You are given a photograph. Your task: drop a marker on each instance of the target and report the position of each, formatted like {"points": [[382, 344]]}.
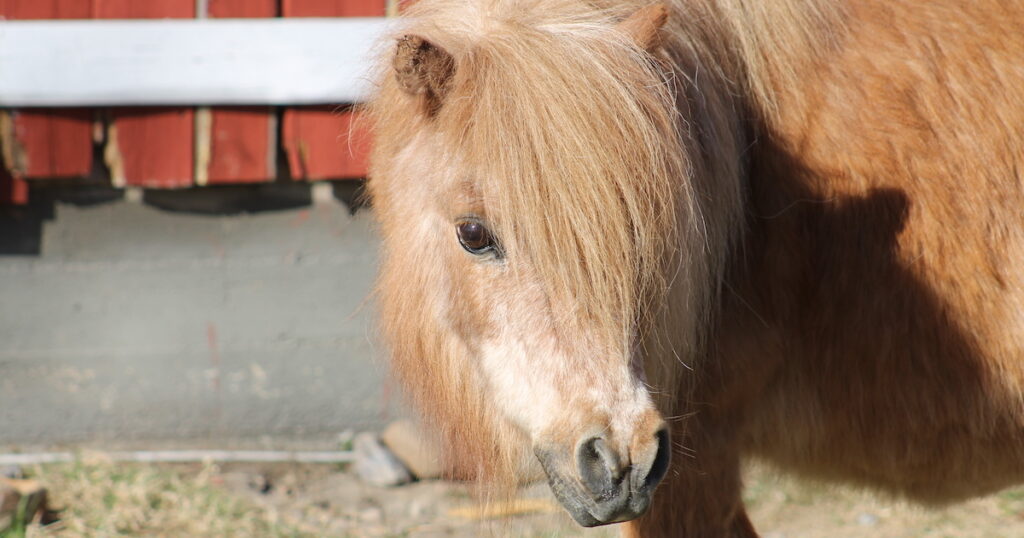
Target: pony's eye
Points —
{"points": [[474, 237]]}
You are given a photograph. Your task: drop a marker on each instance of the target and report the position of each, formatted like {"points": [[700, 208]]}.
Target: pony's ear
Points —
{"points": [[644, 26], [423, 69]]}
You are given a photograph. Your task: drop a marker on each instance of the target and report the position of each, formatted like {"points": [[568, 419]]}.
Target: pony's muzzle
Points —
{"points": [[603, 486]]}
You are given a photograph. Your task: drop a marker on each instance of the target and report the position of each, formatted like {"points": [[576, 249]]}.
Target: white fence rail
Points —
{"points": [[187, 62]]}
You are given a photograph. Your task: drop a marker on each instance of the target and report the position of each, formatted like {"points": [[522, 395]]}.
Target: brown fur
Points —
{"points": [[810, 214], [422, 68], [644, 26]]}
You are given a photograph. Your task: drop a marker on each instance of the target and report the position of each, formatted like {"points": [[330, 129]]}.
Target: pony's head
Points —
{"points": [[529, 176]]}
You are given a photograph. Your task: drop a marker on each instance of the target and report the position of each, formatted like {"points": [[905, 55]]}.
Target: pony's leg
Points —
{"points": [[700, 497]]}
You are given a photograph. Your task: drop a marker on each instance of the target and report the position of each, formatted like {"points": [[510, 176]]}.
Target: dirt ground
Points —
{"points": [[105, 499]]}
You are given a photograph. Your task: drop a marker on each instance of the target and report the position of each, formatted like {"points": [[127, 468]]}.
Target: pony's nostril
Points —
{"points": [[659, 467], [598, 466]]}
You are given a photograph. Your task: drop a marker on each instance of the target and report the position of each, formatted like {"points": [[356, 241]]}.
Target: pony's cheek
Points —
{"points": [[471, 301], [524, 393]]}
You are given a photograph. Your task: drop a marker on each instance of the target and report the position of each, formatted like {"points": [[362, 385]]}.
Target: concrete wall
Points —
{"points": [[134, 325]]}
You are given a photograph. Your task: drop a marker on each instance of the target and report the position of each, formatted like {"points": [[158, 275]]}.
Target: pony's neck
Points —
{"points": [[735, 60], [738, 59], [762, 47]]}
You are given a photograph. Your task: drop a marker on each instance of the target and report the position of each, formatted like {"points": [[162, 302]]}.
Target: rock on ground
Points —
{"points": [[413, 449], [375, 464]]}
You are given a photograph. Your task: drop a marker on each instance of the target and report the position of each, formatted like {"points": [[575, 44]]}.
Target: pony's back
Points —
{"points": [[888, 204]]}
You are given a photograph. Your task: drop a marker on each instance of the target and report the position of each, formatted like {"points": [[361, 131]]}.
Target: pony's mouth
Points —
{"points": [[602, 498]]}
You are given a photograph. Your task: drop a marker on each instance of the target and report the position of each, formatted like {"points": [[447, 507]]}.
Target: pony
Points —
{"points": [[633, 245]]}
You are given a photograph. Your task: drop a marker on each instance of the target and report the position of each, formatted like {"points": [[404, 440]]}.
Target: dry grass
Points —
{"points": [[785, 507], [105, 499]]}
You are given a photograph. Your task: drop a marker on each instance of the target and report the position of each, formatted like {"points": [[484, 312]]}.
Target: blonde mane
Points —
{"points": [[616, 171]]}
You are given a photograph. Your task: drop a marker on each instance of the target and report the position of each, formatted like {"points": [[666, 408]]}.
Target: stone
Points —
{"points": [[375, 464], [243, 482], [867, 520], [18, 494], [413, 449], [11, 471]]}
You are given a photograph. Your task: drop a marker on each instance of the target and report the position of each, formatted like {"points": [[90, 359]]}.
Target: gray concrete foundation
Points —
{"points": [[136, 326]]}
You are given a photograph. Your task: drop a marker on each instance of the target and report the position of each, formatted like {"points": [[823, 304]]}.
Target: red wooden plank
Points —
{"points": [[242, 8], [13, 191], [323, 143], [151, 147], [149, 9], [333, 8], [317, 139], [46, 9], [54, 142], [51, 143], [241, 148]]}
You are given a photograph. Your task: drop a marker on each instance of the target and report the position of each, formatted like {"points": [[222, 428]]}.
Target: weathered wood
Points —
{"points": [[148, 147], [185, 62], [50, 143], [320, 142], [240, 143], [325, 143], [21, 499], [333, 8], [13, 191]]}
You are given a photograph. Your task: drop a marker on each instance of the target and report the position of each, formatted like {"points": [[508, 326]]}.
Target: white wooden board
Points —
{"points": [[187, 62]]}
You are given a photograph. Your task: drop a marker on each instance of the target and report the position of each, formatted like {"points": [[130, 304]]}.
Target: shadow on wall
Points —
{"points": [[21, 226]]}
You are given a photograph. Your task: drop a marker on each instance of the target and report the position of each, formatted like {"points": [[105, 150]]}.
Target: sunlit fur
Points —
{"points": [[808, 215], [573, 143]]}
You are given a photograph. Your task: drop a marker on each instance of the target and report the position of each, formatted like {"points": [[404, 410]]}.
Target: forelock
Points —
{"points": [[570, 131]]}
